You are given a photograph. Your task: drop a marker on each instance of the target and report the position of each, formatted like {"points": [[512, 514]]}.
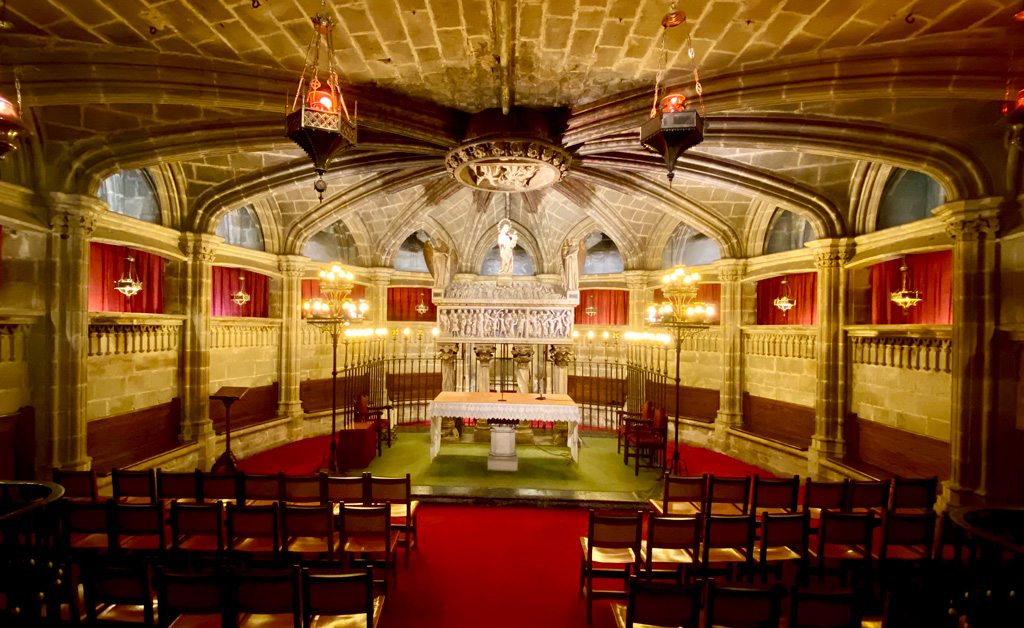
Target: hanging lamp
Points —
{"points": [[241, 297], [906, 297], [422, 308], [590, 310], [129, 284], [784, 302]]}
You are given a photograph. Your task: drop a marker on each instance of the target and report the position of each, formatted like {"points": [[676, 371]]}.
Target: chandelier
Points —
{"points": [[784, 302], [681, 309], [334, 304], [319, 121], [241, 297], [905, 297], [590, 310], [422, 308], [672, 128], [129, 284]]}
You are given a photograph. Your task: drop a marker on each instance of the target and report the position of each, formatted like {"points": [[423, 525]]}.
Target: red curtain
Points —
{"points": [[708, 293], [803, 288], [930, 273], [106, 265], [226, 282], [402, 304], [612, 307]]}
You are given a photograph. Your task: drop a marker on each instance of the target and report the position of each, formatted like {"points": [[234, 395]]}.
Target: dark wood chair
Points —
{"points": [[682, 495], [253, 530], [134, 487], [845, 540], [612, 541], [659, 604], [78, 485], [672, 545], [785, 538], [376, 414], [775, 495], [728, 542], [744, 606], [396, 493], [838, 608], [624, 420], [340, 599], [198, 528], [647, 441], [177, 486], [728, 495], [197, 599], [266, 599], [139, 529], [913, 494], [368, 540], [117, 593]]}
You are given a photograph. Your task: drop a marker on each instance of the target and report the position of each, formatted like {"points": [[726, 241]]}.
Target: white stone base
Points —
{"points": [[502, 456]]}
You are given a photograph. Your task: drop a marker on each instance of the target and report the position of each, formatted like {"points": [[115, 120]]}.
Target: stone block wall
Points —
{"points": [[700, 364], [123, 383], [244, 352], [23, 260], [780, 364]]}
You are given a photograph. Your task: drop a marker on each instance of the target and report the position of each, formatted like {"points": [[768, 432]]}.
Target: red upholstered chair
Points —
{"points": [[366, 412], [627, 419], [647, 441]]}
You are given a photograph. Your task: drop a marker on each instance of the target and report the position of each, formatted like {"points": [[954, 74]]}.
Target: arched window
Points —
{"points": [[908, 197], [333, 244], [242, 228], [602, 255], [131, 193], [410, 254], [689, 247], [522, 263], [788, 231]]}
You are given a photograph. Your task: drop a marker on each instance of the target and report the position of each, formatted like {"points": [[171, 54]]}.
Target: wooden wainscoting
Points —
{"points": [[404, 387], [602, 391], [18, 445], [788, 423], [315, 394], [124, 439], [884, 451], [697, 404], [258, 405]]}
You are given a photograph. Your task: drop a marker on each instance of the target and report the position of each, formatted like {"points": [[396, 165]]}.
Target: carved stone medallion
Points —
{"points": [[508, 165]]}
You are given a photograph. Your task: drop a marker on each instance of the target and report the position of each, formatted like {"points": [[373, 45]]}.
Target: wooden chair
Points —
{"points": [[253, 530], [906, 538], [198, 528], [744, 606], [824, 609], [172, 486], [86, 526], [78, 485], [191, 600], [340, 599], [819, 496], [625, 420], [261, 490], [913, 495], [368, 540], [118, 593], [728, 541], [304, 489], [613, 540], [308, 531], [266, 599], [346, 490], [868, 496], [845, 538], [397, 494], [647, 441], [728, 496], [219, 487], [785, 538], [139, 528], [682, 495], [366, 412], [134, 487], [657, 604], [775, 495], [673, 542]]}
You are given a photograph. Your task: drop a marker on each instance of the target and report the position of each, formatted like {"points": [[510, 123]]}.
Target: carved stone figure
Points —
{"points": [[441, 261], [507, 238], [571, 265]]}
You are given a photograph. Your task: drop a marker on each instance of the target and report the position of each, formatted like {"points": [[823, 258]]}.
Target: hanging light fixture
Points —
{"points": [[680, 309], [334, 304], [784, 302], [241, 297], [11, 124], [672, 128], [129, 284], [590, 310], [906, 297], [319, 121], [422, 308]]}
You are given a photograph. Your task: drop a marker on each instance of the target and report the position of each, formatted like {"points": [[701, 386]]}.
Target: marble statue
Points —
{"points": [[507, 238], [571, 264], [441, 261]]}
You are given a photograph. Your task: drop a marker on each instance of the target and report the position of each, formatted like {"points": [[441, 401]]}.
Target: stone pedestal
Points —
{"points": [[503, 448], [561, 356], [524, 433], [561, 435]]}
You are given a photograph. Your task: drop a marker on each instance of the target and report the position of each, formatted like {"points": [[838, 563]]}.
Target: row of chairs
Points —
{"points": [[123, 593], [654, 604], [704, 546], [755, 494]]}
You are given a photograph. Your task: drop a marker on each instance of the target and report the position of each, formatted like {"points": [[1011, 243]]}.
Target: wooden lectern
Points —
{"points": [[227, 395]]}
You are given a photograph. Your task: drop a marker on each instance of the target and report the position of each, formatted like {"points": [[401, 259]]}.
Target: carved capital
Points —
{"points": [[200, 247], [831, 259], [635, 279], [447, 352], [972, 228], [731, 269], [562, 355], [522, 354], [484, 353], [291, 266], [381, 276]]}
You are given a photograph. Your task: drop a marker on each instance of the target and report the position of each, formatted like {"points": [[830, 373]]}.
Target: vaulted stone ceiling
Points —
{"points": [[802, 96]]}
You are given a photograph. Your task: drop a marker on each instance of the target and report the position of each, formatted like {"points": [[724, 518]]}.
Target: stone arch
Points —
{"points": [[132, 193], [676, 232], [866, 192], [242, 227], [388, 249], [788, 230], [906, 196]]}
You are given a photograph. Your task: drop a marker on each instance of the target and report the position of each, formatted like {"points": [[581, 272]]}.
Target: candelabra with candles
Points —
{"points": [[686, 317], [331, 312]]}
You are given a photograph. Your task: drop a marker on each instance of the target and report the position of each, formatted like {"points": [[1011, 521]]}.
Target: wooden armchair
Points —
{"points": [[366, 412], [627, 420], [647, 441]]}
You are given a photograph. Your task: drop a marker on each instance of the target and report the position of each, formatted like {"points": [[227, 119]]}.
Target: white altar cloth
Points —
{"points": [[519, 406]]}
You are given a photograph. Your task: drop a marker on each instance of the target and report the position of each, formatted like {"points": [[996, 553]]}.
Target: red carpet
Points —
{"points": [[302, 457], [494, 567], [698, 461]]}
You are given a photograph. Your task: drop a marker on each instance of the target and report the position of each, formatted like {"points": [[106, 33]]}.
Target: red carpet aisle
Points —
{"points": [[303, 457], [494, 567]]}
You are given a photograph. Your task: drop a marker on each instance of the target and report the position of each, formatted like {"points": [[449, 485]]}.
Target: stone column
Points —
{"points": [[448, 353], [199, 249], [730, 405], [974, 434], [288, 402], [830, 392], [522, 356], [484, 355], [72, 218], [636, 283], [377, 295], [561, 356]]}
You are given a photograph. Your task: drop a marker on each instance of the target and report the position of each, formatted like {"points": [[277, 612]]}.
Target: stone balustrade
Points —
{"points": [[902, 346], [134, 334], [234, 333], [780, 341], [13, 332]]}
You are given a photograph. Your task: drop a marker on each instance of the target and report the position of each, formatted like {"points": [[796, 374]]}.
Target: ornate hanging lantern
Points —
{"points": [[590, 310], [129, 284], [906, 297], [319, 121], [241, 297], [681, 309], [784, 302], [334, 304], [672, 128], [422, 308]]}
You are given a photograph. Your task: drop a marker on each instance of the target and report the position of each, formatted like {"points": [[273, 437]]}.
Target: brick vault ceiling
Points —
{"points": [[114, 84]]}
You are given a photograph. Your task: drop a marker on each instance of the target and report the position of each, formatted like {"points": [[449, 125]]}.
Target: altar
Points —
{"points": [[503, 411]]}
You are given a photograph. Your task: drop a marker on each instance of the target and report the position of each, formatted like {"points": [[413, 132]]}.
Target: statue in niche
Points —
{"points": [[573, 255], [441, 260], [507, 238]]}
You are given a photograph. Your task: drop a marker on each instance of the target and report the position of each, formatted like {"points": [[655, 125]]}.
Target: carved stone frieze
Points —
{"points": [[508, 164], [493, 291], [512, 323], [831, 259]]}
